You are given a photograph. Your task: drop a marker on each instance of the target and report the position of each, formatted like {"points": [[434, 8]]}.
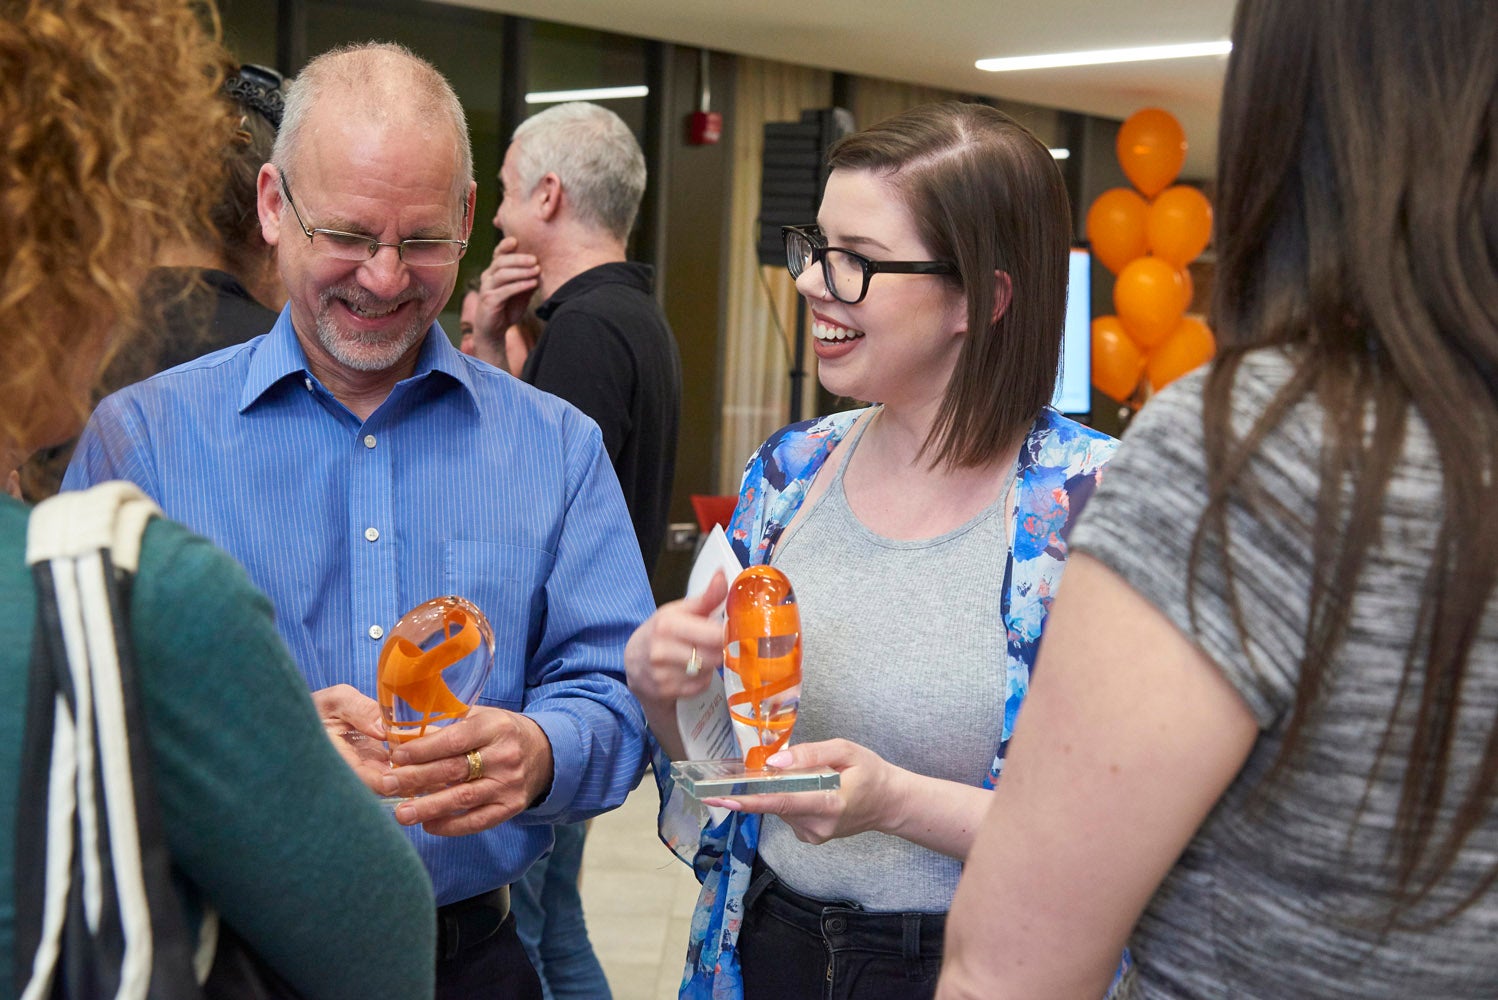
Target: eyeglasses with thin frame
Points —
{"points": [[352, 246], [846, 272]]}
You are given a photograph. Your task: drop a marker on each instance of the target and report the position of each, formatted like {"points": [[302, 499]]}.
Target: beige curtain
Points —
{"points": [[761, 301], [876, 100]]}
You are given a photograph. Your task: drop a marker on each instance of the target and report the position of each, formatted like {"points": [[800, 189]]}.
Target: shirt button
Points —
{"points": [[308, 383], [375, 631], [372, 534], [369, 440]]}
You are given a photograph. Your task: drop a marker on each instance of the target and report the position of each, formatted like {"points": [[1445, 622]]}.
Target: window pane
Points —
{"points": [[564, 57], [250, 30]]}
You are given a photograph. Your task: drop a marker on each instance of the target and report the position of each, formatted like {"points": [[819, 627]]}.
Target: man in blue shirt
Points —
{"points": [[357, 464]]}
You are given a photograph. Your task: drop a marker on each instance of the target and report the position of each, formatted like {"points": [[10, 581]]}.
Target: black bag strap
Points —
{"points": [[97, 914]]}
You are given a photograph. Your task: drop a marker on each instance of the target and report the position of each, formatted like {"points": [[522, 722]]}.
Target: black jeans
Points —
{"points": [[796, 946]]}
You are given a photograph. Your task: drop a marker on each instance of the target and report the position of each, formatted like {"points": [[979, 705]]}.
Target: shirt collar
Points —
{"points": [[279, 356], [623, 272]]}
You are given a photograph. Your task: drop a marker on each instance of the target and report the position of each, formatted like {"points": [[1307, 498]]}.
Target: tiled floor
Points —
{"points": [[638, 900]]}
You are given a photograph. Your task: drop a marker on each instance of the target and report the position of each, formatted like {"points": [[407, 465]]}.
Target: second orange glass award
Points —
{"points": [[762, 687]]}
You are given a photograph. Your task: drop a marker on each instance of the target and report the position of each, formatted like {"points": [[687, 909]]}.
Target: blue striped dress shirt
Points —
{"points": [[464, 481]]}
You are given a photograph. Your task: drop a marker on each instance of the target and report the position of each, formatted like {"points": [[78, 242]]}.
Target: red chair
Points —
{"points": [[711, 510]]}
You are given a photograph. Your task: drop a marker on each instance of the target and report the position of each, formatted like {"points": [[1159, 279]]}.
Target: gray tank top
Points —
{"points": [[903, 652]]}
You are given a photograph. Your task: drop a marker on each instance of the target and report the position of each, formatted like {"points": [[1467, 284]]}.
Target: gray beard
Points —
{"points": [[363, 354]]}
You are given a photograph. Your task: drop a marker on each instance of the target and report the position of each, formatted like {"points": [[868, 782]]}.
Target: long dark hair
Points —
{"points": [[1358, 202], [985, 193]]}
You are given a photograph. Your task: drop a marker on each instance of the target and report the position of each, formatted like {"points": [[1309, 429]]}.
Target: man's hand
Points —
{"points": [[354, 726], [505, 290], [517, 769]]}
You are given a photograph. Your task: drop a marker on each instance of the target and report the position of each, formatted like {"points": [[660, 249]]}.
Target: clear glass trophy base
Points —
{"points": [[706, 779]]}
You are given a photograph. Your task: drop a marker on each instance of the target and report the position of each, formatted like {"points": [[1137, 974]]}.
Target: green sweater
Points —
{"points": [[264, 820]]}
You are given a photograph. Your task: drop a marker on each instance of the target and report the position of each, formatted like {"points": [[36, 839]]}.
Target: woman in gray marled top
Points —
{"points": [[1261, 745]]}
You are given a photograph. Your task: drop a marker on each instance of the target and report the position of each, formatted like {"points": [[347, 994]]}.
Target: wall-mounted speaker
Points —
{"points": [[795, 172]]}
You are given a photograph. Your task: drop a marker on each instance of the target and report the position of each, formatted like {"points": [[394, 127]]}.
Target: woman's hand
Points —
{"points": [[937, 814], [869, 796], [670, 657], [657, 656]]}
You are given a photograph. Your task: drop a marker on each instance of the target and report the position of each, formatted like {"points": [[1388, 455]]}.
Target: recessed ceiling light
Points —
{"points": [[595, 94], [1060, 153], [1099, 57]]}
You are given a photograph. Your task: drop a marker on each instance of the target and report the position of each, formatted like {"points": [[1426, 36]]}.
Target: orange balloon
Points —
{"points": [[1179, 224], [1151, 150], [1116, 361], [1149, 296], [1189, 347], [1115, 227]]}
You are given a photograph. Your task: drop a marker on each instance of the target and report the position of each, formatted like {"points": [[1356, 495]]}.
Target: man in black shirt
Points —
{"points": [[573, 178]]}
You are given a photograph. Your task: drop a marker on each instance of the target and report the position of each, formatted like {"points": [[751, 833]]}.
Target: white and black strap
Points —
{"points": [[96, 910]]}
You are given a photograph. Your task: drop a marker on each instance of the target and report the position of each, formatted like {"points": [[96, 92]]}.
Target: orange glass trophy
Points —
{"points": [[762, 687], [762, 661], [433, 667]]}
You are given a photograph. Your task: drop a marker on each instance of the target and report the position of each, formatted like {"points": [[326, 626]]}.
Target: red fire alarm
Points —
{"points": [[704, 128]]}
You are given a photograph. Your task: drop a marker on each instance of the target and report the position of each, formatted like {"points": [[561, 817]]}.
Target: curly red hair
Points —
{"points": [[110, 139]]}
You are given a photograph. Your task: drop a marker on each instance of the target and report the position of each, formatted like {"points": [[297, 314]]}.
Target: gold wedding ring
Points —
{"points": [[694, 663], [475, 765]]}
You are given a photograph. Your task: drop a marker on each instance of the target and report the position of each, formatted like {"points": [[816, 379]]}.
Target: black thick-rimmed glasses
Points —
{"points": [[846, 272], [352, 246]]}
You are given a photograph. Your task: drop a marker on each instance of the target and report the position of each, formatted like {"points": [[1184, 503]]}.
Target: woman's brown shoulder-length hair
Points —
{"points": [[986, 194]]}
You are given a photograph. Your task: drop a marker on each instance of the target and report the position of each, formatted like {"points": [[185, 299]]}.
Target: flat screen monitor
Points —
{"points": [[1074, 387]]}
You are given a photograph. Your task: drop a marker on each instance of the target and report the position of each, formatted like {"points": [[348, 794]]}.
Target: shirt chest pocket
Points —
{"points": [[507, 583]]}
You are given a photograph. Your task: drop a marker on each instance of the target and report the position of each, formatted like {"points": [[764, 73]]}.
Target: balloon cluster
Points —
{"points": [[1147, 238]]}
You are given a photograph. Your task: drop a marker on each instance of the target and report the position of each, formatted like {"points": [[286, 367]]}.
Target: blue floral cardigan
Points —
{"points": [[1059, 468]]}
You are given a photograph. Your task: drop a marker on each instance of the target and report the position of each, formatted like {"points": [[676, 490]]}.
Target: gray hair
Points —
{"points": [[594, 154], [380, 81]]}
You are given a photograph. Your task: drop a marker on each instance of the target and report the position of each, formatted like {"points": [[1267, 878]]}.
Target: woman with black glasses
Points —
{"points": [[924, 536]]}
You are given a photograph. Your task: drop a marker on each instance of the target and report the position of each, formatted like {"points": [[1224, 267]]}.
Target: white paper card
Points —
{"points": [[706, 729]]}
